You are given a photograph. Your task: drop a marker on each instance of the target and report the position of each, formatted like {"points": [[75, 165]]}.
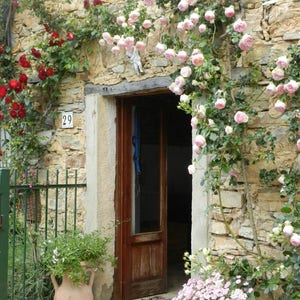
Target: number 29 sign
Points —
{"points": [[67, 119]]}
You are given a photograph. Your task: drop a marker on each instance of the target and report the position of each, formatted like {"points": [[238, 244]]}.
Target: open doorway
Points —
{"points": [[153, 194], [179, 193]]}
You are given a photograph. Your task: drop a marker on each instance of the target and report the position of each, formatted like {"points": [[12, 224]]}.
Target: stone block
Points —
{"points": [[218, 228], [230, 199]]}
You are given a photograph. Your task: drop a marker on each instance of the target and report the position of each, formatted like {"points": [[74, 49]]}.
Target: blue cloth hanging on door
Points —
{"points": [[136, 143]]}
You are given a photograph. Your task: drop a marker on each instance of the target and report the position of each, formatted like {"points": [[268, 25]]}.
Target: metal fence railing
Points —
{"points": [[42, 204]]}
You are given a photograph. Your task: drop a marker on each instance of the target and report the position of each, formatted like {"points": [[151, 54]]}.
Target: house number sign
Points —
{"points": [[67, 119]]}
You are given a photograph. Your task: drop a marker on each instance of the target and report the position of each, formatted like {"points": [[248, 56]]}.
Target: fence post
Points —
{"points": [[4, 209]]}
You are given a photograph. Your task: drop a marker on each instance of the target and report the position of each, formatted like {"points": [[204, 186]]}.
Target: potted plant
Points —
{"points": [[73, 257]]}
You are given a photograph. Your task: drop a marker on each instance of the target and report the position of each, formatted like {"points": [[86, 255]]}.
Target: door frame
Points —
{"points": [[123, 217]]}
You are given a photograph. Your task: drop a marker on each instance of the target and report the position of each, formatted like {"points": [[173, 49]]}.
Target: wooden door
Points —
{"points": [[141, 198]]}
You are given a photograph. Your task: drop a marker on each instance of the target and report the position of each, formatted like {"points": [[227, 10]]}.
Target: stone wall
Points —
{"points": [[275, 24]]}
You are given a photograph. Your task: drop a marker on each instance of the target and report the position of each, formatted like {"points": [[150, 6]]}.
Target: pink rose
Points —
{"points": [[271, 89], [191, 169], [180, 27], [115, 49], [291, 87], [140, 46], [239, 25], [129, 42], [280, 89], [116, 38], [241, 117], [180, 81], [228, 129], [147, 24], [194, 122], [246, 42], [200, 140], [298, 145], [177, 90], [130, 22], [134, 15], [234, 173], [170, 54], [148, 2], [107, 37], [188, 24], [288, 230], [295, 239], [160, 48], [196, 149], [280, 106], [229, 11], [186, 71], [209, 16], [192, 2], [277, 74], [184, 98], [220, 103], [197, 59], [120, 20], [282, 62], [194, 17], [163, 20], [182, 56], [121, 43], [202, 28], [183, 5]]}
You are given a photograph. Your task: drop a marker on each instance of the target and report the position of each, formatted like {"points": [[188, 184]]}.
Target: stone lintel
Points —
{"points": [[123, 88]]}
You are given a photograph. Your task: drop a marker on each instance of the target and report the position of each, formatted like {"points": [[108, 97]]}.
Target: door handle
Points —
{"points": [[1, 222]]}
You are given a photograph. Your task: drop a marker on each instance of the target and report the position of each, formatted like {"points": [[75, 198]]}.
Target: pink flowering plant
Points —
{"points": [[209, 282]]}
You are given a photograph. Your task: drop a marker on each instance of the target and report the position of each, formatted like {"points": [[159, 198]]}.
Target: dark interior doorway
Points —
{"points": [[179, 192]]}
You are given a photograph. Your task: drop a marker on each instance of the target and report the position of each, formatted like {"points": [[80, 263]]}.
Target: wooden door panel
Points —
{"points": [[146, 261]]}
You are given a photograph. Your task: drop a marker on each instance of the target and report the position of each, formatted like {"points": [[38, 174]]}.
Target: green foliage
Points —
{"points": [[71, 252]]}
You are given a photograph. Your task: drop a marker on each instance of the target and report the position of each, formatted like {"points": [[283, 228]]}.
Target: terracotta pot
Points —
{"points": [[67, 290]]}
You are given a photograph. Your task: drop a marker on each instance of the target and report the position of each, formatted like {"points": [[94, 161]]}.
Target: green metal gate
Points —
{"points": [[42, 204]]}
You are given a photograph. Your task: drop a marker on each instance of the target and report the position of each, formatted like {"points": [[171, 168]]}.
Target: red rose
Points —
{"points": [[86, 3], [60, 42], [1, 49], [22, 113], [13, 114], [3, 91], [15, 106], [23, 78], [36, 53], [97, 2], [15, 3], [55, 35], [70, 36], [23, 62], [42, 73], [52, 43], [7, 100], [49, 72], [1, 116], [14, 84]]}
